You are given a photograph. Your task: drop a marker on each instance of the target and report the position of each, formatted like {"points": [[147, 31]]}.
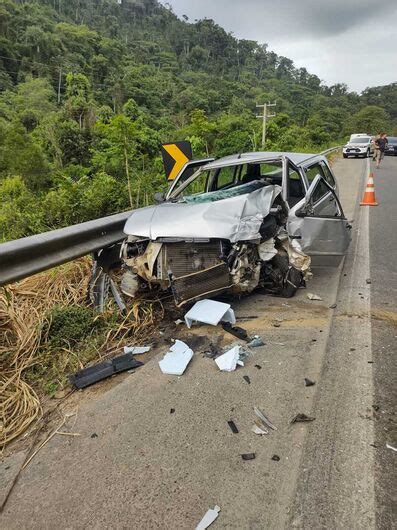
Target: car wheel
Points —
{"points": [[368, 153], [344, 156], [292, 278]]}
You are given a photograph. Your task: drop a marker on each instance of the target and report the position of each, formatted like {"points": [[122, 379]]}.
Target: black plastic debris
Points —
{"points": [[236, 331], [247, 379], [248, 456], [276, 458], [258, 366], [301, 418], [352, 349], [308, 382], [232, 426], [332, 306], [368, 280], [93, 374], [94, 435], [172, 411]]}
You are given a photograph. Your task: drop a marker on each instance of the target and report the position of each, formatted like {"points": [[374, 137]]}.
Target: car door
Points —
{"points": [[319, 224], [187, 171]]}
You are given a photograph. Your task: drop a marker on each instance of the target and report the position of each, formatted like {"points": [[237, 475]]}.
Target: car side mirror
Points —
{"points": [[159, 197]]}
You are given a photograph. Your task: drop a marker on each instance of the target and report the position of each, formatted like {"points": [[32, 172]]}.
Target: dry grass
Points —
{"points": [[25, 318]]}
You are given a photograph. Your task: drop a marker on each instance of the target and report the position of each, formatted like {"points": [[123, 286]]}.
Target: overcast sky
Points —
{"points": [[341, 41]]}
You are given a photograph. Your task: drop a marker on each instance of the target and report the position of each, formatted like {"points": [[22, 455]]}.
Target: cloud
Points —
{"points": [[348, 41]]}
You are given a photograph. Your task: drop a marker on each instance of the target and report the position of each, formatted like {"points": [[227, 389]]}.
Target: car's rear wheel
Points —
{"points": [[344, 155]]}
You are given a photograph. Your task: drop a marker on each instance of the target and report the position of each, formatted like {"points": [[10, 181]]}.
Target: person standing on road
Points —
{"points": [[382, 144]]}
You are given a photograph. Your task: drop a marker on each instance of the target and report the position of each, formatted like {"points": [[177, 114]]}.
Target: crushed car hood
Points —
{"points": [[235, 218]]}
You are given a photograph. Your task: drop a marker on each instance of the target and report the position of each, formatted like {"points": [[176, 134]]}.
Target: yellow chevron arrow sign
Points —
{"points": [[175, 156]]}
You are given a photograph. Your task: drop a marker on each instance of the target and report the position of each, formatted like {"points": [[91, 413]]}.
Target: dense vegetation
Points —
{"points": [[90, 88]]}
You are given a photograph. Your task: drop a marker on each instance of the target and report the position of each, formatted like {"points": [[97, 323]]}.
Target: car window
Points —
{"points": [[225, 177], [328, 174], [319, 192], [320, 169], [198, 185], [312, 171], [271, 171], [296, 189]]}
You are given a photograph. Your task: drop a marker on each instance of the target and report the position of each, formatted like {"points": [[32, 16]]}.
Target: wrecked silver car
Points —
{"points": [[235, 224]]}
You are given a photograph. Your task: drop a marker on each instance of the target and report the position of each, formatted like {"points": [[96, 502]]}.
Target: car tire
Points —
{"points": [[344, 156], [368, 154], [293, 277]]}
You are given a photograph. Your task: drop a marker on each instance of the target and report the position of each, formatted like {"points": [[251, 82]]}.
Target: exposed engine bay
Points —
{"points": [[193, 268]]}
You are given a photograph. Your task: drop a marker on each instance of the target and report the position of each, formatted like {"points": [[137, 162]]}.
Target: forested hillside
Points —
{"points": [[90, 88]]}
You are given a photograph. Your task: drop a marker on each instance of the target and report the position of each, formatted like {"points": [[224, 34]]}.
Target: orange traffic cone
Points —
{"points": [[369, 194]]}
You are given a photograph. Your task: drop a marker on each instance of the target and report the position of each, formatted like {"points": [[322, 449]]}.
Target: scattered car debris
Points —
{"points": [[136, 350], [247, 379], [176, 359], [276, 458], [368, 280], [312, 296], [259, 429], [208, 518], [172, 411], [391, 447], [229, 360], [309, 382], [352, 349], [248, 456], [333, 306], [276, 324], [93, 374], [210, 312], [264, 419], [236, 331], [256, 342], [178, 322], [258, 366], [214, 351], [232, 426], [301, 418], [94, 435]]}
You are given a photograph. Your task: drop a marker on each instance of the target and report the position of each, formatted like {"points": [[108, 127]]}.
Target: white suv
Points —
{"points": [[358, 146]]}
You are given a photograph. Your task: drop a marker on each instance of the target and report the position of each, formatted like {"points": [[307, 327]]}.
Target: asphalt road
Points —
{"points": [[136, 464], [383, 267]]}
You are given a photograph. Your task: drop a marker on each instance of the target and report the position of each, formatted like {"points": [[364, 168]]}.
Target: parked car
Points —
{"points": [[391, 148], [235, 224], [359, 146]]}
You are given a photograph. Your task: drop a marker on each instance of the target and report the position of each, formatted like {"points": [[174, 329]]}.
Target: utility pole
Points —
{"points": [[264, 116], [59, 85]]}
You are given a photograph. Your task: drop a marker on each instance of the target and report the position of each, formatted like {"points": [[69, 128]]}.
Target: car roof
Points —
{"points": [[259, 156]]}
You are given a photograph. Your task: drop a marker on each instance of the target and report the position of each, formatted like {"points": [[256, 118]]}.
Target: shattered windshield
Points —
{"points": [[229, 181]]}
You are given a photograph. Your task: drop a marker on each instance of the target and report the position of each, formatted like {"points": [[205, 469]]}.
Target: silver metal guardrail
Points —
{"points": [[27, 256]]}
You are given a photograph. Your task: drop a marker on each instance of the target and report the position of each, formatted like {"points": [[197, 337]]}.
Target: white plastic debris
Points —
{"points": [[210, 312], [176, 359], [177, 322], [136, 350], [259, 430], [312, 296], [208, 518], [229, 360], [391, 447], [264, 419]]}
